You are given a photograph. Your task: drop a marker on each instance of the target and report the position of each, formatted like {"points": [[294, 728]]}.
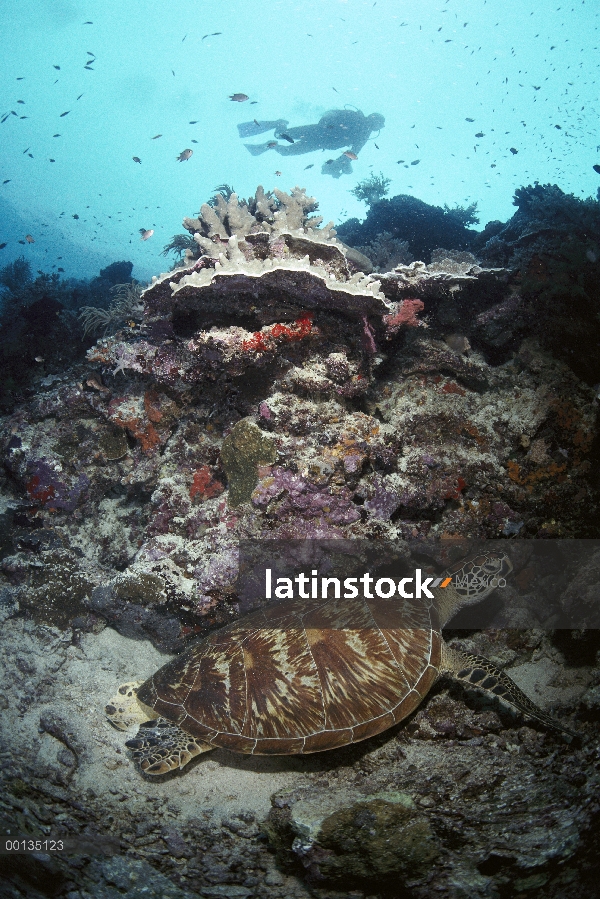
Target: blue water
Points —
{"points": [[525, 72]]}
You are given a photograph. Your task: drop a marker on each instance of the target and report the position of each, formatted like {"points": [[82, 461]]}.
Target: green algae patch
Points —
{"points": [[113, 443], [244, 448], [142, 589], [376, 839]]}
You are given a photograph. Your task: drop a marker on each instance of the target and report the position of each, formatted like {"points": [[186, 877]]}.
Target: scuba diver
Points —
{"points": [[335, 129]]}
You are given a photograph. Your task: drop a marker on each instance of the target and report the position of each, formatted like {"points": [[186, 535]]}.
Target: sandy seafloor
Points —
{"points": [[66, 771]]}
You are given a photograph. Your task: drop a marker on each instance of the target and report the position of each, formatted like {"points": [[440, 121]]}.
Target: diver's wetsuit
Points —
{"points": [[335, 129]]}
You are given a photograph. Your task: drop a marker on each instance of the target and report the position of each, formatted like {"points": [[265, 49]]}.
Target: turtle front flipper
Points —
{"points": [[160, 746], [480, 672]]}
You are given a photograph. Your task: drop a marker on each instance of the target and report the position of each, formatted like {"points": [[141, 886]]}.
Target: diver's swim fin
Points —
{"points": [[251, 129], [257, 149]]}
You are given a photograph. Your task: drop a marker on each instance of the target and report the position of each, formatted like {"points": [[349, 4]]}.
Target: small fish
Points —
{"points": [[146, 233], [25, 151], [271, 144], [63, 114], [38, 358], [29, 238], [183, 38], [59, 269], [480, 134], [415, 161], [89, 68], [256, 123], [376, 146], [56, 135], [513, 151], [278, 173], [596, 168], [239, 98], [52, 160], [558, 127], [286, 137], [469, 120], [156, 136], [195, 122], [137, 159], [2, 245], [215, 33], [328, 161], [308, 166], [56, 67], [6, 180], [88, 23], [184, 155], [80, 96], [350, 154], [76, 216], [22, 102]]}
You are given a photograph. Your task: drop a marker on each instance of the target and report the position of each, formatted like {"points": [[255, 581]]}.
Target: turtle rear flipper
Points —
{"points": [[477, 671], [160, 746]]}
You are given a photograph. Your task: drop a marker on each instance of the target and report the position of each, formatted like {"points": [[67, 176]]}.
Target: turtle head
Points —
{"points": [[472, 580]]}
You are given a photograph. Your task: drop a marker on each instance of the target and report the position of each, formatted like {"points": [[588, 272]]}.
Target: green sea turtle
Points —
{"points": [[307, 675]]}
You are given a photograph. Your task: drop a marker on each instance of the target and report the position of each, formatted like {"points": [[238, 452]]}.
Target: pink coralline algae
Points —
{"points": [[405, 316], [269, 338], [284, 494], [382, 502], [204, 486]]}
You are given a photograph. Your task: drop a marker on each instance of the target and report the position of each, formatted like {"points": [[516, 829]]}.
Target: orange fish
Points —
{"points": [[146, 233], [350, 154], [184, 155], [29, 238]]}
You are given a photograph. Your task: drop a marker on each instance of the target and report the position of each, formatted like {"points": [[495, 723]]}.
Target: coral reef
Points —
{"points": [[423, 227], [553, 242], [271, 389]]}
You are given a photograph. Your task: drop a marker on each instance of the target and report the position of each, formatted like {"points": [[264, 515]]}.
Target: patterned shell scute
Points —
{"points": [[302, 676]]}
